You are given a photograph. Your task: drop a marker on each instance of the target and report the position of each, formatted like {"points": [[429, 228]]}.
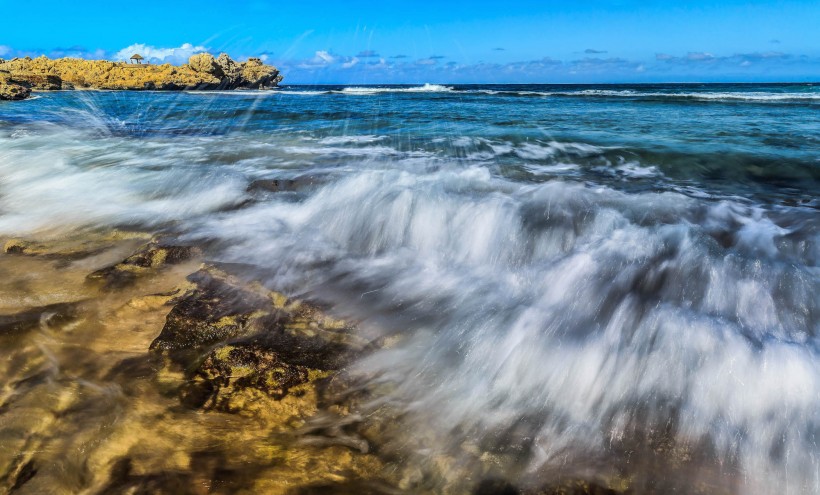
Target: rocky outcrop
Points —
{"points": [[202, 71], [220, 308], [252, 74], [243, 344], [11, 89]]}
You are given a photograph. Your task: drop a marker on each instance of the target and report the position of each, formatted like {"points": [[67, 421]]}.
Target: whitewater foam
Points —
{"points": [[426, 88], [557, 327]]}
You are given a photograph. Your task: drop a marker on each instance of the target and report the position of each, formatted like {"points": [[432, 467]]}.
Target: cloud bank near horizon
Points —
{"points": [[368, 66]]}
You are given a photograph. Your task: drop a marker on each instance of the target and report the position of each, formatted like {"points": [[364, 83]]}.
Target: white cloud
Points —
{"points": [[177, 55], [350, 63], [4, 50], [324, 57]]}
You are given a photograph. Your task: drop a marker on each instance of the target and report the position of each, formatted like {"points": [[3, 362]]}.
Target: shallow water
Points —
{"points": [[597, 282]]}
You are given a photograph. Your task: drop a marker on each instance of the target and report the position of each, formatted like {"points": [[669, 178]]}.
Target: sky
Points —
{"points": [[421, 41]]}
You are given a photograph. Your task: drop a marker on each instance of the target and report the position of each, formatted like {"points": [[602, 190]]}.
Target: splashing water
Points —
{"points": [[597, 286]]}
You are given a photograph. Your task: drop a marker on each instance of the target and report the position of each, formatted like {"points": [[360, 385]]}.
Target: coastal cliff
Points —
{"points": [[202, 72]]}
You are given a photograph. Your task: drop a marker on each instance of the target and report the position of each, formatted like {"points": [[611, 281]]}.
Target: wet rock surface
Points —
{"points": [[147, 260], [232, 371], [52, 315], [220, 307], [245, 390], [216, 309], [230, 420]]}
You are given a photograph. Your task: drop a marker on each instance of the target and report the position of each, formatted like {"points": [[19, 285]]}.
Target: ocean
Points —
{"points": [[615, 281]]}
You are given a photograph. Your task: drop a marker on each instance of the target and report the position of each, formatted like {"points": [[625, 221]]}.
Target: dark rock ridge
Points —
{"points": [[254, 341]]}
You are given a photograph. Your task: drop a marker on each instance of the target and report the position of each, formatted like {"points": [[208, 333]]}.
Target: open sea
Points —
{"points": [[589, 280]]}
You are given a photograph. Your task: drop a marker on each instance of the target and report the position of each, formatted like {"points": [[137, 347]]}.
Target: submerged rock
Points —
{"points": [[50, 315], [285, 185], [221, 307], [148, 259], [215, 310], [81, 245], [232, 374], [246, 348]]}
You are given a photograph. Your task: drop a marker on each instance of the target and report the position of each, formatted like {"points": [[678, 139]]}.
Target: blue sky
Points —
{"points": [[356, 42]]}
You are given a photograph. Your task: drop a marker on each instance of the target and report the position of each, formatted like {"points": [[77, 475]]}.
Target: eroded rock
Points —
{"points": [[221, 307], [11, 90], [202, 72], [148, 259], [247, 348], [206, 64], [230, 373], [40, 82], [215, 310]]}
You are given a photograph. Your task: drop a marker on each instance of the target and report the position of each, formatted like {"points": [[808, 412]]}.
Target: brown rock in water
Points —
{"points": [[221, 308], [146, 260], [256, 74], [11, 90], [258, 346], [215, 310], [202, 72], [229, 371], [281, 185]]}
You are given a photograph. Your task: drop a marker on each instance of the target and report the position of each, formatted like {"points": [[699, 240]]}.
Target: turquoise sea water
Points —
{"points": [[573, 267]]}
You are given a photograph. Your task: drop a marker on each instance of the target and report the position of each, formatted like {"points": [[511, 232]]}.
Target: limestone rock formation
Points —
{"points": [[10, 89], [252, 74], [202, 71], [205, 63]]}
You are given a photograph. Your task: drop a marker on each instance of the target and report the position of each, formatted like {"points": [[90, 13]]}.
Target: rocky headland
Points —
{"points": [[20, 76]]}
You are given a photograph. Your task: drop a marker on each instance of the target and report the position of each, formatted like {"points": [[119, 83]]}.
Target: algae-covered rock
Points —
{"points": [[215, 310], [148, 259], [251, 350], [221, 307], [231, 370]]}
